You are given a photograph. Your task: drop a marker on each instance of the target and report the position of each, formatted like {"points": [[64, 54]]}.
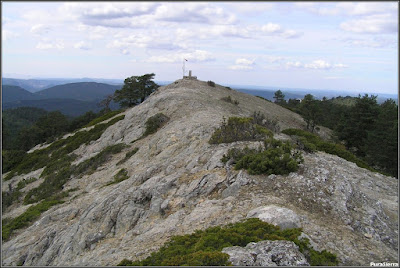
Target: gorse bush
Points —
{"points": [[154, 123], [204, 247], [311, 142], [239, 129]]}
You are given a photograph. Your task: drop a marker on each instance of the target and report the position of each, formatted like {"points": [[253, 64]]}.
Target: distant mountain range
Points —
{"points": [[71, 99], [34, 85]]}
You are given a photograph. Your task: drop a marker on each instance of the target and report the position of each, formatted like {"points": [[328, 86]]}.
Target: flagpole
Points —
{"points": [[183, 67]]}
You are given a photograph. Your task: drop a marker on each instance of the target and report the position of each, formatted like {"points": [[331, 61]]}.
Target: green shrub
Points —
{"points": [[9, 197], [211, 83], [128, 155], [154, 123], [10, 159], [277, 158], [26, 218], [120, 176], [58, 149], [312, 142], [239, 129], [203, 247], [21, 184], [90, 165]]}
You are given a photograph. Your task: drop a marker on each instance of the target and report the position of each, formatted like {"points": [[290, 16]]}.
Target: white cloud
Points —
{"points": [[376, 42], [240, 67], [373, 24], [40, 29], [271, 28], [277, 30], [349, 8], [367, 8], [192, 12], [318, 64], [59, 44], [242, 64], [292, 64], [83, 45], [315, 65], [108, 10], [7, 35], [194, 56], [150, 41], [243, 61], [251, 8]]}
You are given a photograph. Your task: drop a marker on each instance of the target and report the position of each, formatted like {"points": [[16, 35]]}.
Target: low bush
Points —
{"points": [[230, 100], [239, 129], [211, 83], [203, 247], [154, 123], [312, 142], [276, 158]]}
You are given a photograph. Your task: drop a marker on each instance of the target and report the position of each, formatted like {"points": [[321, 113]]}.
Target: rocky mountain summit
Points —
{"points": [[177, 183]]}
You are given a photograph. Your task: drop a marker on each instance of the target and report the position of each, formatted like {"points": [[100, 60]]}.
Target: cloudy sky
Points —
{"points": [[312, 45]]}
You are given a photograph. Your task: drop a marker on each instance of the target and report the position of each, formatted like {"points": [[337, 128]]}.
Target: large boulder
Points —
{"points": [[283, 217], [267, 253]]}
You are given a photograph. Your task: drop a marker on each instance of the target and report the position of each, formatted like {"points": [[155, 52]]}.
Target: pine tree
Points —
{"points": [[135, 90]]}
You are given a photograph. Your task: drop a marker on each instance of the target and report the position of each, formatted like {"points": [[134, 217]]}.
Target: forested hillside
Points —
{"points": [[84, 91], [16, 93], [366, 128]]}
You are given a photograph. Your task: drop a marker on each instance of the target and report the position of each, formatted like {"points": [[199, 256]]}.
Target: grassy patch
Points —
{"points": [[103, 118], [239, 129], [120, 176], [203, 247], [90, 165], [154, 123], [312, 142], [50, 156], [128, 155], [28, 217]]}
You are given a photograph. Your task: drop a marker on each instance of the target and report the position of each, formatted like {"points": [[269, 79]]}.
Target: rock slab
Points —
{"points": [[266, 253]]}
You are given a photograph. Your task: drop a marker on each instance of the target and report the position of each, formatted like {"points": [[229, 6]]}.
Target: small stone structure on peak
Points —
{"points": [[190, 76]]}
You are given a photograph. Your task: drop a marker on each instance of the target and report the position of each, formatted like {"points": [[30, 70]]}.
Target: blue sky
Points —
{"points": [[314, 45]]}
